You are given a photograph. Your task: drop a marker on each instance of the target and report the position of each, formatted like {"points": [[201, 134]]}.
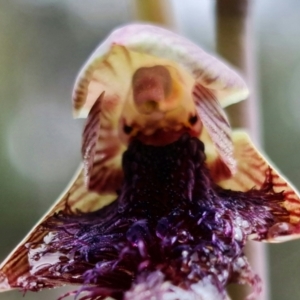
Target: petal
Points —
{"points": [[110, 72], [114, 58], [219, 131], [207, 70], [15, 270], [252, 168], [101, 149]]}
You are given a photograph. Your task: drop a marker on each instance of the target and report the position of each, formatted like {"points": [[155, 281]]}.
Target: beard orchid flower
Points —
{"points": [[167, 194]]}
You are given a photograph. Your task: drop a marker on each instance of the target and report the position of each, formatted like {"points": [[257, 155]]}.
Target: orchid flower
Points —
{"points": [[167, 194]]}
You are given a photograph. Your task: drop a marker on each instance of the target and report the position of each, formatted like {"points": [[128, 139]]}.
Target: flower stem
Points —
{"points": [[234, 42], [154, 11]]}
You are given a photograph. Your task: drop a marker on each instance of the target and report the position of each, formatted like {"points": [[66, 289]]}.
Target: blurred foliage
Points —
{"points": [[42, 46]]}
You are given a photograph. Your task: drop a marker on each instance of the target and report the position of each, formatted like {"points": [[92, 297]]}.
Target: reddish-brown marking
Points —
{"points": [[109, 66], [126, 54]]}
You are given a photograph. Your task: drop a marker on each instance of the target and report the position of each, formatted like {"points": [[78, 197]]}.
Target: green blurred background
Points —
{"points": [[43, 43]]}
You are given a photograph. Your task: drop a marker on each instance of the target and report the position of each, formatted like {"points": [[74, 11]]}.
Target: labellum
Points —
{"points": [[167, 194]]}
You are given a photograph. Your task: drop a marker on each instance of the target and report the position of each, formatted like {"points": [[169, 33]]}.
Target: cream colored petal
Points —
{"points": [[110, 64], [15, 270], [111, 73], [252, 168]]}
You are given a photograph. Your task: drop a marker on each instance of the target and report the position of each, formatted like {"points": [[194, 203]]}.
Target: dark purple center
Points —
{"points": [[169, 217]]}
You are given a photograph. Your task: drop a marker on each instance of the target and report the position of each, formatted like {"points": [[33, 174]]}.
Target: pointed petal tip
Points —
{"points": [[79, 113], [230, 99], [4, 285], [283, 232]]}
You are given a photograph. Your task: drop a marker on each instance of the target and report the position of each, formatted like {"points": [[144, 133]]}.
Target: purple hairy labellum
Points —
{"points": [[167, 195]]}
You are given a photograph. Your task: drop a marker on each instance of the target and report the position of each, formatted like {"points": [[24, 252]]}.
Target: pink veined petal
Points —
{"points": [[217, 127], [90, 137], [101, 151]]}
